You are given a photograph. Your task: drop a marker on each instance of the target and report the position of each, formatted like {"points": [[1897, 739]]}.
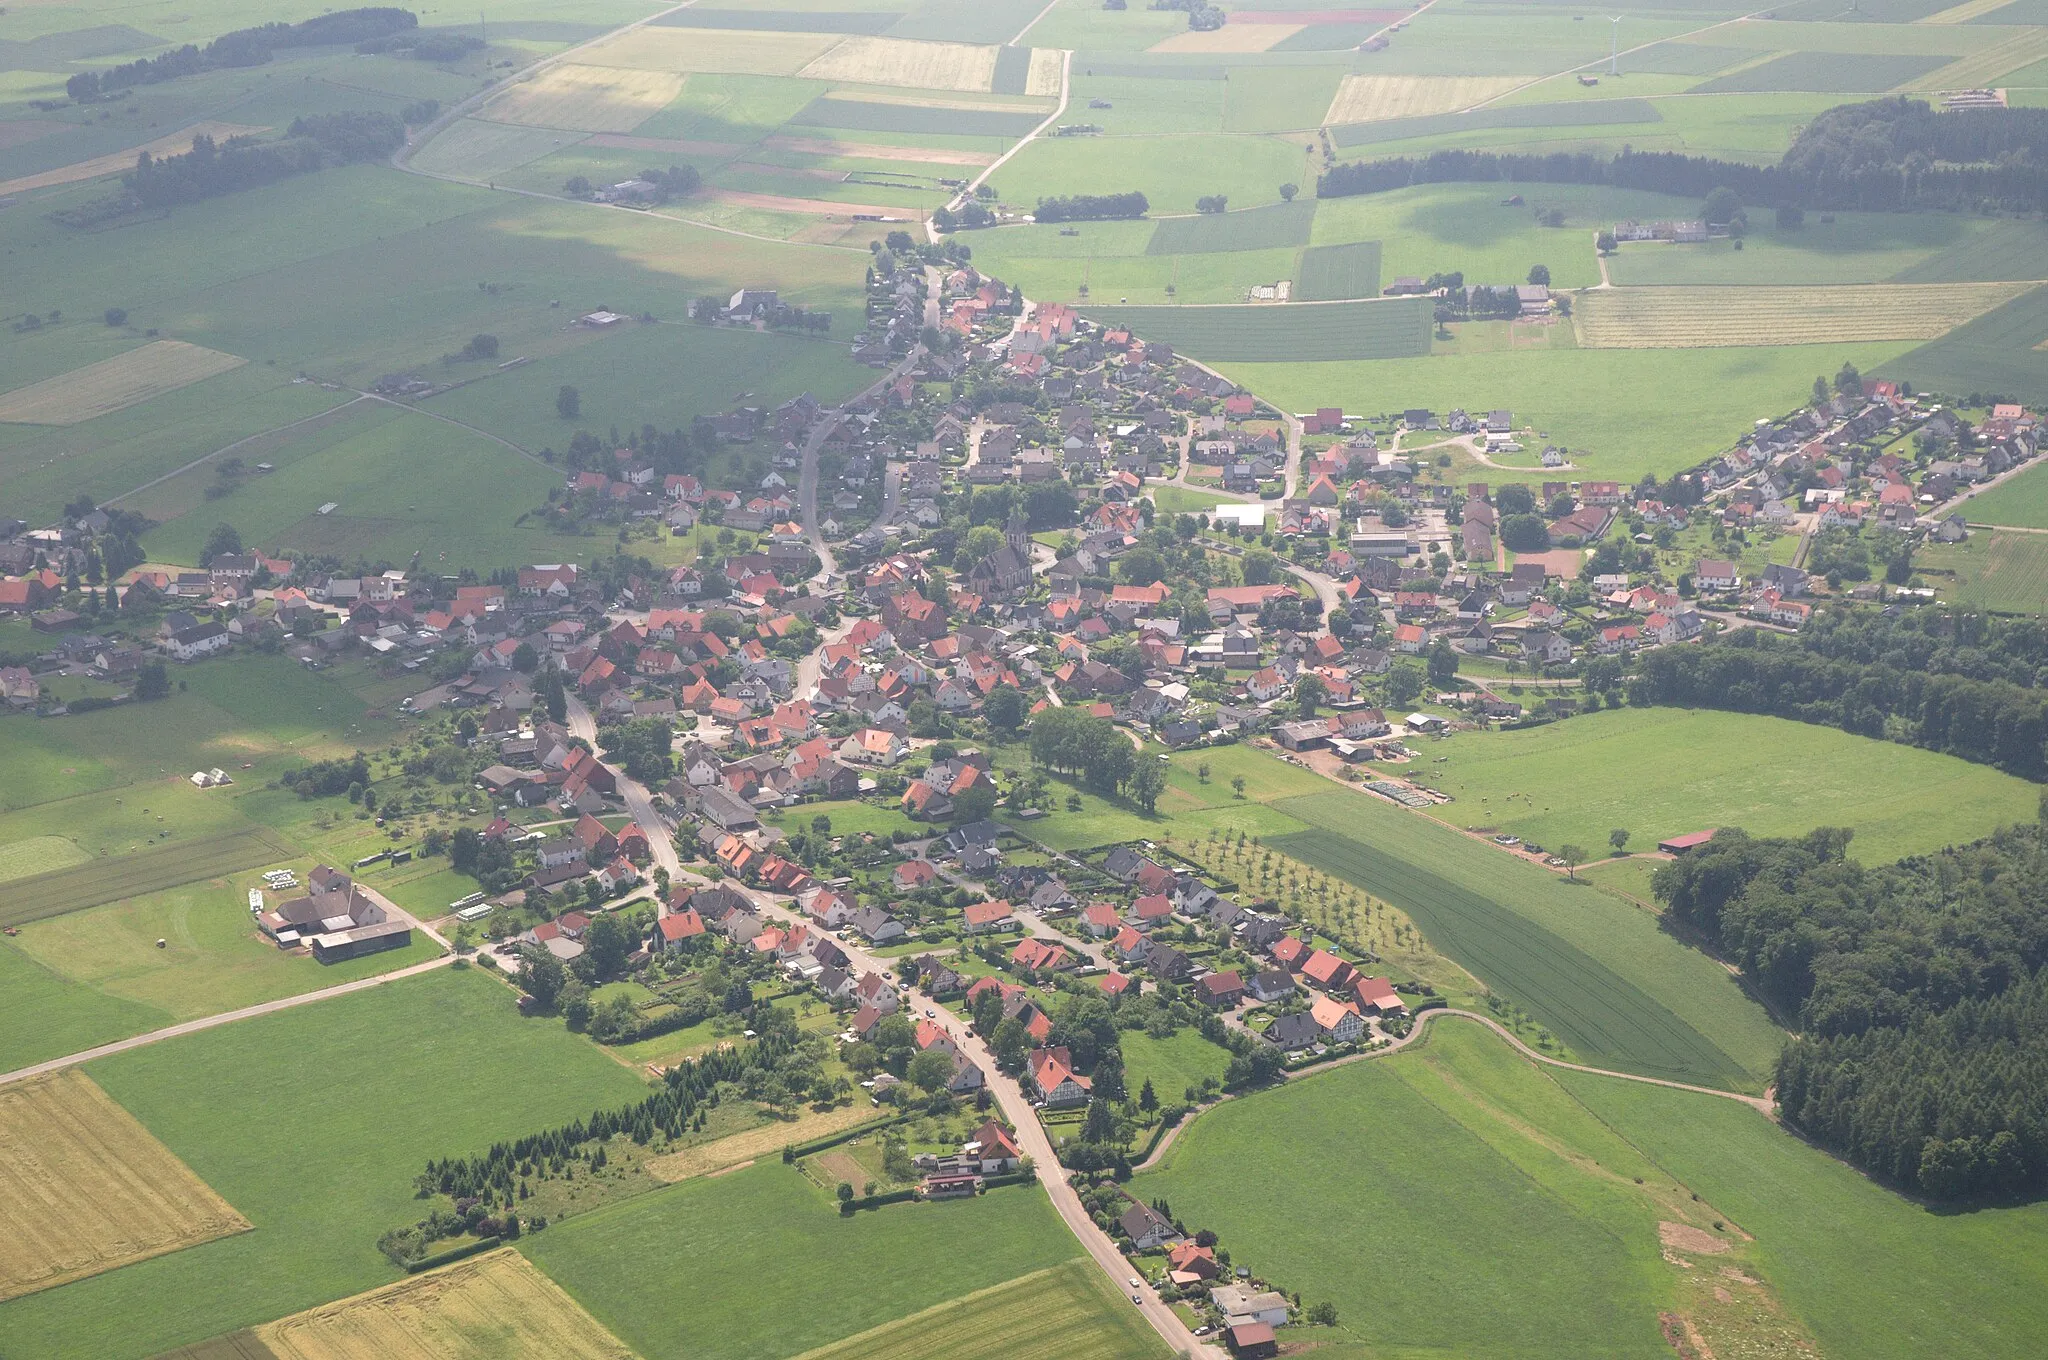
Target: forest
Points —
{"points": [[243, 47], [1958, 692], [1916, 991], [1886, 155], [1092, 207]]}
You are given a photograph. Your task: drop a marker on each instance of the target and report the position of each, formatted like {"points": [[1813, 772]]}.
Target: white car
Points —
{"points": [[1136, 1283]]}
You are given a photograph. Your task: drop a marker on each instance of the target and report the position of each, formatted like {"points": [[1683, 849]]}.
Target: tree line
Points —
{"points": [[1093, 749], [243, 47], [1880, 156], [1092, 207], [1991, 721], [1917, 991]]}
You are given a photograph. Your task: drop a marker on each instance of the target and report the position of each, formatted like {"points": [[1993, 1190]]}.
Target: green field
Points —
{"points": [[44, 1015], [1171, 1065], [1267, 228], [1334, 273], [742, 1230], [1586, 113], [1171, 170], [1189, 808], [1662, 772], [312, 1123], [64, 890], [1598, 973], [2022, 501], [1825, 73], [1995, 354], [2005, 572], [1325, 332]]}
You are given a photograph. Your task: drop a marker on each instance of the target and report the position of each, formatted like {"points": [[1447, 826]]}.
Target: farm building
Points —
{"points": [[1691, 840], [337, 918]]}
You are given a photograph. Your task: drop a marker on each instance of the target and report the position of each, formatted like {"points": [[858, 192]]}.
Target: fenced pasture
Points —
{"points": [[490, 1307], [1067, 1312], [1705, 318], [1269, 228], [580, 98], [721, 51], [1367, 99], [1825, 73], [1391, 329], [147, 871], [89, 1189], [966, 67], [1336, 273], [113, 384], [2003, 572]]}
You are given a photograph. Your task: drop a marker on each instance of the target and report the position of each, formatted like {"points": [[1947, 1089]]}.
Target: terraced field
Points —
{"points": [[1709, 318]]}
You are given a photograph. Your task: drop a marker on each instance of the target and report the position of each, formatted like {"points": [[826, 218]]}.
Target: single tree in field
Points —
{"points": [[1618, 838], [1148, 781], [1573, 856], [1237, 785], [568, 403], [1288, 191], [1540, 274]]}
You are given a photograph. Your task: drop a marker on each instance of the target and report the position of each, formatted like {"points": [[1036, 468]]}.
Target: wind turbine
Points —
{"points": [[1614, 45]]}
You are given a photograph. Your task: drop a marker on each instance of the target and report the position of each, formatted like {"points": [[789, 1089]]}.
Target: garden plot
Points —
{"points": [[1705, 318], [906, 62], [1367, 99], [587, 98], [112, 384], [88, 1188]]}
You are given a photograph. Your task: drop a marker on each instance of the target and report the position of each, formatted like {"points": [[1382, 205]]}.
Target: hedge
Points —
{"points": [[452, 1254]]}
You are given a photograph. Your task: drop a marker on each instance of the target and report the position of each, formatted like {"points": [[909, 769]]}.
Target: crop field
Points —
{"points": [[479, 150], [721, 51], [1587, 113], [2003, 572], [766, 1223], [1048, 68], [114, 163], [797, 19], [1998, 352], [1661, 772], [587, 98], [1324, 331], [2021, 502], [491, 1307], [89, 1189], [112, 384], [1473, 1168], [985, 21], [1710, 318], [1825, 73], [1270, 227], [1335, 273], [1984, 68], [321, 1081], [2010, 248], [869, 115], [1231, 38], [1367, 99], [895, 61], [50, 894], [1598, 973], [1066, 1312], [1871, 1273]]}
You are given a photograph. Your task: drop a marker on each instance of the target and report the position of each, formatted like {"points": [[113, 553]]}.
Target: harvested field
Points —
{"points": [[587, 98], [110, 880], [491, 1307], [1964, 13], [1310, 17], [673, 146], [711, 50], [906, 62], [1268, 228], [871, 151], [1392, 329], [769, 1139], [822, 207], [785, 20], [1335, 273], [1069, 1312], [1581, 113], [477, 150], [1260, 36], [1825, 73], [89, 1188], [1698, 318], [1048, 65], [112, 384], [115, 162], [242, 1345], [874, 115], [1983, 68], [1367, 99], [38, 855]]}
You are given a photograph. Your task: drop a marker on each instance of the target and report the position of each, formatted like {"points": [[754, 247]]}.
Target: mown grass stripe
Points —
{"points": [[110, 880]]}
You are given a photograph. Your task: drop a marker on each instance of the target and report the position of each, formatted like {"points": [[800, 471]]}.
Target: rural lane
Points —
{"points": [[639, 802]]}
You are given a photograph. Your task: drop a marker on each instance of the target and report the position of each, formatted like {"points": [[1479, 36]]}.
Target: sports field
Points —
{"points": [[2005, 572], [769, 1223], [587, 98], [1065, 1312], [1390, 329], [1367, 99], [312, 1122], [1336, 273], [490, 1307], [2020, 501], [113, 384], [1660, 772], [1597, 972], [1708, 318], [894, 61], [89, 1189]]}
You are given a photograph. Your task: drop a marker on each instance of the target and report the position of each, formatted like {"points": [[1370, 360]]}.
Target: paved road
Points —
{"points": [[639, 802]]}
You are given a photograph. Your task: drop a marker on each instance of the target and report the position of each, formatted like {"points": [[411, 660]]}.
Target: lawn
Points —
{"points": [[1662, 772], [851, 817], [2003, 572], [739, 1232], [312, 1124], [2022, 501], [1598, 973], [1171, 1065]]}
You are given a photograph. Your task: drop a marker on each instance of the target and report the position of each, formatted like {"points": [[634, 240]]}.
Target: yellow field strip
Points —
{"points": [[1368, 99], [714, 51], [1065, 1312], [1962, 14], [866, 151], [488, 1307], [1229, 38], [935, 101], [112, 384], [84, 1187], [116, 162], [968, 67], [1048, 64], [578, 98], [1704, 318], [1982, 69]]}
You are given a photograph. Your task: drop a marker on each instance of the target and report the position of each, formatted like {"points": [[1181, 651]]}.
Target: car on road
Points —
{"points": [[1136, 1283], [1135, 1299], [929, 1013]]}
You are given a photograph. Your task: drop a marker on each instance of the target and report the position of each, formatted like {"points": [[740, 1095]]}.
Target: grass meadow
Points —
{"points": [[2004, 572], [1171, 1065], [1662, 772], [2021, 502], [1598, 973], [1390, 328], [1189, 808], [1996, 353], [311, 1122], [767, 1222]]}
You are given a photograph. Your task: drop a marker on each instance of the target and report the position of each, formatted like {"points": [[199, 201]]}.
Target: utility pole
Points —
{"points": [[1614, 45]]}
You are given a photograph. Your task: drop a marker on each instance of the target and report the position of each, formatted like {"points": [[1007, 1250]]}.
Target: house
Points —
{"points": [[1053, 1077], [1271, 984], [1256, 1340], [1240, 1303], [1035, 955], [1338, 1022], [1327, 971], [1188, 1263], [913, 874], [1292, 1033], [1147, 1228], [1222, 990], [337, 918], [677, 930], [1376, 996], [877, 927], [1715, 574], [203, 639]]}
